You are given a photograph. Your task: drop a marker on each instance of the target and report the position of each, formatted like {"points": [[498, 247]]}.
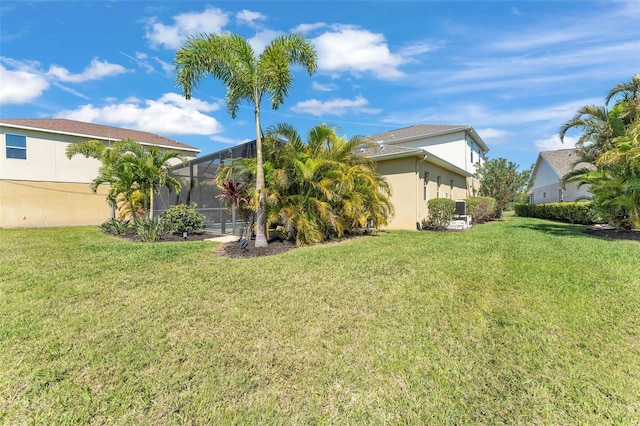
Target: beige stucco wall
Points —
{"points": [[407, 179], [36, 204], [403, 177], [48, 189]]}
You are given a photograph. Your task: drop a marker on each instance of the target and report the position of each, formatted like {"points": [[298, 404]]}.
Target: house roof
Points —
{"points": [[94, 131], [427, 130], [562, 161], [388, 152]]}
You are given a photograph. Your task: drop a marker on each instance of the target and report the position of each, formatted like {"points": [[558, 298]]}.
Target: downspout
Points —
{"points": [[418, 197]]}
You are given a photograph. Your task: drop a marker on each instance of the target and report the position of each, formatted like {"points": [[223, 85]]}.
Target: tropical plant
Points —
{"points": [[130, 170], [319, 189], [248, 76], [183, 218], [151, 229], [608, 154], [115, 226], [501, 180], [118, 175], [236, 195], [151, 170]]}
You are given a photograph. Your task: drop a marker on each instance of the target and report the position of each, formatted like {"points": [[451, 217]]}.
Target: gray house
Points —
{"points": [[546, 182]]}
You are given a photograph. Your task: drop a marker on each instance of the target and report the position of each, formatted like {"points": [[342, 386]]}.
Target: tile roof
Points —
{"points": [[563, 160], [415, 131], [98, 131]]}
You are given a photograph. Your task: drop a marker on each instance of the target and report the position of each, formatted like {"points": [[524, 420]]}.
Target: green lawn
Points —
{"points": [[521, 321]]}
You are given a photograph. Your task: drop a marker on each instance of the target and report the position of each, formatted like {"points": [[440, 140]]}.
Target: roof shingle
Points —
{"points": [[98, 131], [414, 131], [563, 160]]}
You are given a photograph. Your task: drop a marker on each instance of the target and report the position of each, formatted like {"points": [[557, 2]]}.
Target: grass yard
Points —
{"points": [[522, 321]]}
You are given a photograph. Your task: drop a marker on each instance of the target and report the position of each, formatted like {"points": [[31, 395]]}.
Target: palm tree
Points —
{"points": [[247, 77], [129, 168], [322, 188], [608, 153], [629, 99], [112, 172], [150, 169]]}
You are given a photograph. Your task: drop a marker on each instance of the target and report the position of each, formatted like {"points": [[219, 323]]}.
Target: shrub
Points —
{"points": [[441, 211], [579, 212], [115, 226], [183, 218], [151, 229], [481, 209]]}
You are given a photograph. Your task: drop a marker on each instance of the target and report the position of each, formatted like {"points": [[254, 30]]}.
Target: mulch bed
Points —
{"points": [[606, 232], [234, 250]]}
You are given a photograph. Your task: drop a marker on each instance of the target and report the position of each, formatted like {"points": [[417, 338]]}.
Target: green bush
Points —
{"points": [[115, 226], [441, 211], [183, 218], [582, 212], [481, 209], [151, 229]]}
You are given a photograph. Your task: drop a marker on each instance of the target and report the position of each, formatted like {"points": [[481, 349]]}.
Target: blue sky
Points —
{"points": [[514, 70]]}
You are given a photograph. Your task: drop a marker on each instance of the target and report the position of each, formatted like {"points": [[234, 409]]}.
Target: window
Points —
{"points": [[425, 183], [16, 146], [438, 183]]}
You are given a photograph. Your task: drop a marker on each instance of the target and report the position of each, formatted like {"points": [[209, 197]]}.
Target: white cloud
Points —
{"points": [[170, 114], [306, 28], [96, 70], [552, 143], [262, 38], [336, 106], [495, 136], [22, 84], [419, 48], [211, 20], [248, 17], [350, 49], [324, 87]]}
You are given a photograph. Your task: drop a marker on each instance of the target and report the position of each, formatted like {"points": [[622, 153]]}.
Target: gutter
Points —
{"points": [[105, 138]]}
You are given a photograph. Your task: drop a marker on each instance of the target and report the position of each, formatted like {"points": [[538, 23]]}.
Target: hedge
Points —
{"points": [[581, 212]]}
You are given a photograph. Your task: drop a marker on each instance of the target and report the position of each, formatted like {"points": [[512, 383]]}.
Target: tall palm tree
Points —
{"points": [[248, 77]]}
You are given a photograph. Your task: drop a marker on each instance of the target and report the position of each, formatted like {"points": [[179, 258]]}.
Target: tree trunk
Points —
{"points": [[261, 234]]}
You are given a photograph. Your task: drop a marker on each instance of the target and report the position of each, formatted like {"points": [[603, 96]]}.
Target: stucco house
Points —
{"points": [[427, 161], [40, 186], [546, 181]]}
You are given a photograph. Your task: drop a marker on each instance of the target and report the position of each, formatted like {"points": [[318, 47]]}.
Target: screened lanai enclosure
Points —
{"points": [[198, 186]]}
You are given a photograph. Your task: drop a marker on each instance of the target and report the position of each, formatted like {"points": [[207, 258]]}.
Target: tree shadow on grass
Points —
{"points": [[566, 229], [557, 229]]}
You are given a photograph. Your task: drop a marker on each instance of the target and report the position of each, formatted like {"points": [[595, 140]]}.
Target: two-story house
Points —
{"points": [[427, 161], [40, 186]]}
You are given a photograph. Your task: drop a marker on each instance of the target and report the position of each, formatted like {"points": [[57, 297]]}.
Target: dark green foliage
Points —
{"points": [[115, 226], [610, 145], [183, 218], [501, 180], [582, 212], [441, 211], [151, 229], [481, 209]]}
